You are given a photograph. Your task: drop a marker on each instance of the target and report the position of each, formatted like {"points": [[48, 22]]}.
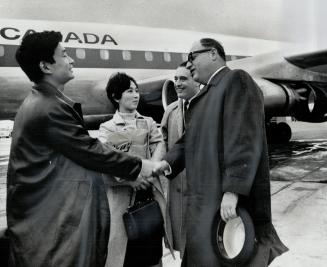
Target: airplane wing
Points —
{"points": [[314, 61]]}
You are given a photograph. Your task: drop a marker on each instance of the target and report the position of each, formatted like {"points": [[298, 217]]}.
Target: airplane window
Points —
{"points": [[167, 57], [127, 55], [2, 51], [104, 54], [148, 56], [80, 53], [184, 57]]}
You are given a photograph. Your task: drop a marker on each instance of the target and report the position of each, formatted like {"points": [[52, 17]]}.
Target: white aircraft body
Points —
{"points": [[151, 56]]}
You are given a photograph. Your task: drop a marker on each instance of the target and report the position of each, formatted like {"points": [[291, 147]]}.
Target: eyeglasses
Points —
{"points": [[190, 56]]}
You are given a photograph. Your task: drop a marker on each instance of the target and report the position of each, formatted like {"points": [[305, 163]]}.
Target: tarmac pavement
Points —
{"points": [[299, 196]]}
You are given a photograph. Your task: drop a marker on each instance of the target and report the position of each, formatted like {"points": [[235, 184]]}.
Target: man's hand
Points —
{"points": [[161, 168], [147, 168], [228, 206], [139, 183]]}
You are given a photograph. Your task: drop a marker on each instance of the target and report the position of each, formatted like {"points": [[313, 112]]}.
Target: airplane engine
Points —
{"points": [[92, 122], [280, 99], [169, 94], [305, 101], [150, 104], [150, 99]]}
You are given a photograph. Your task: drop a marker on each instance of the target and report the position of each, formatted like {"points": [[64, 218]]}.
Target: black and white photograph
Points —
{"points": [[163, 133]]}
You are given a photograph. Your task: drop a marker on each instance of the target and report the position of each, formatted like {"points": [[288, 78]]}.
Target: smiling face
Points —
{"points": [[185, 86], [129, 99], [61, 71]]}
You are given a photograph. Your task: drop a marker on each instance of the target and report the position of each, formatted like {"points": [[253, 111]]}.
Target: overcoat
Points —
{"points": [[224, 150], [57, 209], [172, 128]]}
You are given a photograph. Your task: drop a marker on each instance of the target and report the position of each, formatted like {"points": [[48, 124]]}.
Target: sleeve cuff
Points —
{"points": [[168, 172], [237, 185]]}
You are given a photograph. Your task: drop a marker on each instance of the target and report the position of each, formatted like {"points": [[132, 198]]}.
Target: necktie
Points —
{"points": [[186, 103], [185, 107]]}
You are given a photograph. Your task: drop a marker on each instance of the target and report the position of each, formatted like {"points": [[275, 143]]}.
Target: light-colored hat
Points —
{"points": [[234, 241]]}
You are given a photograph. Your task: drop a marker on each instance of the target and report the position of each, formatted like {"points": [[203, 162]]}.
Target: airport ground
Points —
{"points": [[298, 190]]}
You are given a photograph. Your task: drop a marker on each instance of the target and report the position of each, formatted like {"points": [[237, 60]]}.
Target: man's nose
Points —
{"points": [[188, 65], [71, 61], [177, 83]]}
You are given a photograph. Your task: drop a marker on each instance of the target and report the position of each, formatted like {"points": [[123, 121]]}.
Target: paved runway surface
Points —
{"points": [[299, 195]]}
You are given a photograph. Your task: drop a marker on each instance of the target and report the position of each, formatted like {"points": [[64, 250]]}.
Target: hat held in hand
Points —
{"points": [[233, 241]]}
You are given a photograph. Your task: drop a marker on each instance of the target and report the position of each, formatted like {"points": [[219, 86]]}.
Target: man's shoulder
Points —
{"points": [[240, 74], [36, 109], [172, 106], [38, 103]]}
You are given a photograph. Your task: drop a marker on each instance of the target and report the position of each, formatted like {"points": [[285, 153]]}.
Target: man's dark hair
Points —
{"points": [[37, 47], [117, 84], [208, 42]]}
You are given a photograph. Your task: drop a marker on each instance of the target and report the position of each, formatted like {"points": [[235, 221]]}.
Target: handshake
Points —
{"points": [[150, 170]]}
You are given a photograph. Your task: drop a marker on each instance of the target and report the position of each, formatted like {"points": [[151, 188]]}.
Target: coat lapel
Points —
{"points": [[214, 81], [180, 118]]}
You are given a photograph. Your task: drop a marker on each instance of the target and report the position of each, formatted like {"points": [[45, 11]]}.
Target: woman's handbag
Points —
{"points": [[143, 219]]}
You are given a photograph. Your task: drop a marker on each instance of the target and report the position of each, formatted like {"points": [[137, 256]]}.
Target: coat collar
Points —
{"points": [[180, 119], [214, 81], [48, 89], [117, 119], [216, 78]]}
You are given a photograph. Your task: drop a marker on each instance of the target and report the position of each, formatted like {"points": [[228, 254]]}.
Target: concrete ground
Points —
{"points": [[299, 196], [299, 216]]}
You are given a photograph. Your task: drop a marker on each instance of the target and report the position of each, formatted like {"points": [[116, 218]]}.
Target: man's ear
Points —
{"points": [[44, 66], [214, 54]]}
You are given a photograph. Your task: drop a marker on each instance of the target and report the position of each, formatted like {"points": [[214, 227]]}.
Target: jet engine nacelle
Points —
{"points": [[169, 94], [150, 104], [150, 99], [306, 101]]}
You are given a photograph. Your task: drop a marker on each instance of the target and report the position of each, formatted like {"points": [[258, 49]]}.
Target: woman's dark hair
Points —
{"points": [[117, 84], [37, 47]]}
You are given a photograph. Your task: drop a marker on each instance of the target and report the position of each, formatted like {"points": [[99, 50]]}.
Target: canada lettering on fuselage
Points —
{"points": [[11, 33]]}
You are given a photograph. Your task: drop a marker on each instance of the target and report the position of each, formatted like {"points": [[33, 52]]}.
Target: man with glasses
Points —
{"points": [[224, 151]]}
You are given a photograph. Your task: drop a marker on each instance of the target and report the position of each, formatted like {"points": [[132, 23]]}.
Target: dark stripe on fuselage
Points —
{"points": [[93, 58]]}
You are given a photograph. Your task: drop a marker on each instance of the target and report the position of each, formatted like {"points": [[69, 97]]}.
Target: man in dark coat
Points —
{"points": [[224, 151], [57, 210]]}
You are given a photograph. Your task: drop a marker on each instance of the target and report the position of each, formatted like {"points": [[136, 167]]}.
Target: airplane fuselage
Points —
{"points": [[150, 55]]}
